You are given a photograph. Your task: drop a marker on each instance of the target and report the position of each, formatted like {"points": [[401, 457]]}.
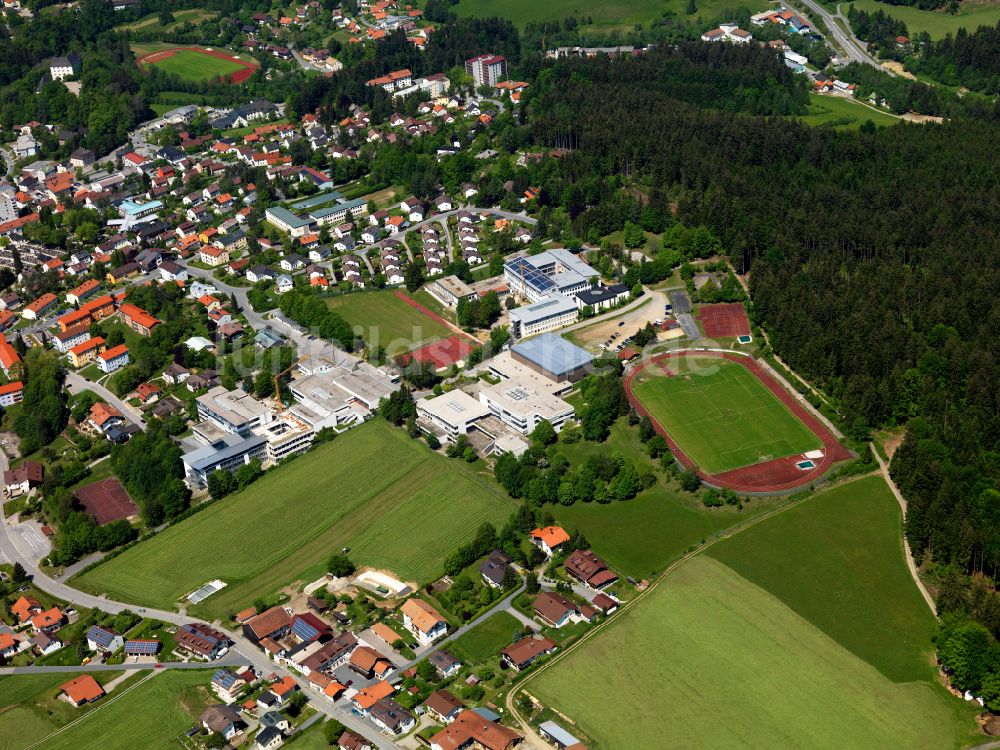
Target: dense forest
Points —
{"points": [[967, 59], [874, 263]]}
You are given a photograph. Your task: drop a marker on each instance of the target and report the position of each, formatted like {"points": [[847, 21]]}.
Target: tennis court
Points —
{"points": [[724, 320], [106, 501], [720, 415]]}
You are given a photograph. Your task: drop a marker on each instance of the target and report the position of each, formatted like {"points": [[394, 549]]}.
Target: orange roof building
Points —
{"points": [[81, 690], [37, 308], [285, 687], [369, 696], [549, 538], [10, 360], [138, 319], [50, 618], [24, 608], [83, 353]]}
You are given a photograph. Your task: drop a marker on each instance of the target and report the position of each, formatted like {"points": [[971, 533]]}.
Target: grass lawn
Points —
{"points": [[841, 112], [387, 320], [390, 499], [312, 739], [151, 715], [487, 638], [937, 24], [196, 66], [606, 16], [854, 586], [674, 519], [721, 415]]}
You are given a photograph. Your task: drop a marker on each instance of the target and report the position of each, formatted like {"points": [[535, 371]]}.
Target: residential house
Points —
{"points": [[138, 319], [11, 393], [202, 640], [445, 662], [49, 620], [268, 738], [425, 622], [104, 639], [25, 608], [82, 354], [522, 654], [227, 685], [472, 730], [494, 568], [104, 416], [221, 719], [113, 359], [10, 360], [369, 663], [554, 609], [81, 690], [391, 717], [213, 256], [352, 741], [22, 479], [590, 569], [549, 539], [444, 706], [37, 308]]}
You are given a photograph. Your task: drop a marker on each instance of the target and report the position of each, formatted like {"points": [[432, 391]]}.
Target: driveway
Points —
{"points": [[76, 383]]}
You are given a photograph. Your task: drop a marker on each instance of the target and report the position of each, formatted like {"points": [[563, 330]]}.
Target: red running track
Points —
{"points": [[238, 77], [779, 475], [431, 314]]}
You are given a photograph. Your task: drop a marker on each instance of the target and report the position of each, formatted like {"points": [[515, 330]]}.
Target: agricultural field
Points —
{"points": [[487, 638], [148, 713], [388, 498], [742, 644], [721, 415], [782, 556], [30, 709], [619, 15], [151, 23], [936, 23], [843, 113], [387, 320], [642, 536]]}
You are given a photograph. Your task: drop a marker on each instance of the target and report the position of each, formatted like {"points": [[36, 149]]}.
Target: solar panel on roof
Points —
{"points": [[142, 648]]}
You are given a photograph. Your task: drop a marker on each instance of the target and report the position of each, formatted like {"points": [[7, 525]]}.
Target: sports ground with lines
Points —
{"points": [[724, 416]]}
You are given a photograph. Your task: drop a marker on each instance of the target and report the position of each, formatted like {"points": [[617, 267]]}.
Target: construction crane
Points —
{"points": [[277, 382]]}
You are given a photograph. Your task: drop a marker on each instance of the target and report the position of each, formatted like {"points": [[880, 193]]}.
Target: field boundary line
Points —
{"points": [[728, 534], [907, 553], [87, 715]]}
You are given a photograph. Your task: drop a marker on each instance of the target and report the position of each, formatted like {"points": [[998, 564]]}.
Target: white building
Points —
{"points": [[235, 412], [522, 406], [452, 413], [547, 314]]}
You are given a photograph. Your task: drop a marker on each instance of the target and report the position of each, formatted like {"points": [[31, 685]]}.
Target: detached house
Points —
{"points": [[425, 622]]}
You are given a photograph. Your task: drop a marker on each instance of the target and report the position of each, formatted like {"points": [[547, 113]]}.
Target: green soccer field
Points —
{"points": [[721, 415], [388, 321], [196, 66], [390, 499], [812, 636]]}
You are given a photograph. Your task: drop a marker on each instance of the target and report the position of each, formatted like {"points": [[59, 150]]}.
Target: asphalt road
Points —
{"points": [[853, 47], [77, 383]]}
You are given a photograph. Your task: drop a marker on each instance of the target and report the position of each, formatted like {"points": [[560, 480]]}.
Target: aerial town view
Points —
{"points": [[492, 374]]}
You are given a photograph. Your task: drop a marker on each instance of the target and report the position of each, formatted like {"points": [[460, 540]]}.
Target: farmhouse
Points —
{"points": [[202, 640], [273, 623]]}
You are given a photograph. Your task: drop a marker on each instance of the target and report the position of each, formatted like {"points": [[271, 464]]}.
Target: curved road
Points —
{"points": [[854, 48], [14, 547], [76, 383]]}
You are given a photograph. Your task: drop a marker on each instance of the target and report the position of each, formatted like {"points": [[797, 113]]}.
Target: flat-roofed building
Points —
{"points": [[556, 271], [450, 289], [546, 314], [285, 437], [521, 406], [227, 453], [452, 413], [554, 357], [236, 411]]}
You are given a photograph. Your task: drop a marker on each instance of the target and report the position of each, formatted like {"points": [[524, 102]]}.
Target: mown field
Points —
{"points": [[151, 715], [642, 536], [606, 16], [388, 321], [487, 638], [151, 23], [388, 498], [770, 648], [842, 113], [196, 66], [722, 416], [30, 709], [834, 583], [936, 23]]}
